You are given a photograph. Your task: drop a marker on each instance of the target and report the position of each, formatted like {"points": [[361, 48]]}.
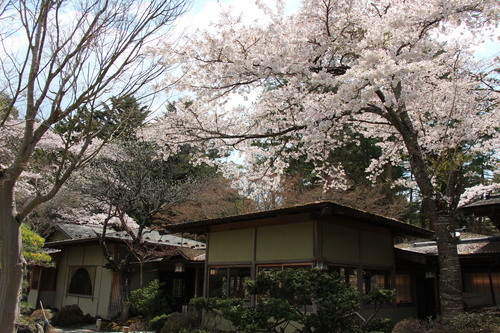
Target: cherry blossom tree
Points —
{"points": [[131, 186], [391, 70], [60, 60]]}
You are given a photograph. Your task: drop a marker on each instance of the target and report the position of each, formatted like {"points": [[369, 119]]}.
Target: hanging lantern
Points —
{"points": [[179, 268]]}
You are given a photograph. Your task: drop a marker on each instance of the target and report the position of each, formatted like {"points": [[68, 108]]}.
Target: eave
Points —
{"points": [[322, 208]]}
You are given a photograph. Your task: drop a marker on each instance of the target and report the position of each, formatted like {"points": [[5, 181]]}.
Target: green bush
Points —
{"points": [[286, 297], [379, 325], [158, 322], [182, 323], [25, 308], [150, 301], [378, 297]]}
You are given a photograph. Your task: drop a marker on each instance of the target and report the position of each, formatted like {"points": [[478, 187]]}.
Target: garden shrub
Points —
{"points": [[466, 323], [410, 325], [378, 297], [458, 323], [287, 296], [150, 301], [379, 325], [25, 307], [181, 323], [157, 323]]}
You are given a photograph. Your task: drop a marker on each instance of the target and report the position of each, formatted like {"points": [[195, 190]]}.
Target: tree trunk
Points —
{"points": [[450, 281], [125, 295], [11, 262], [141, 269]]}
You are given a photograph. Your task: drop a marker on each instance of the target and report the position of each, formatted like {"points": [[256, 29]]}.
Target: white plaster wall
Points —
{"points": [[86, 256]]}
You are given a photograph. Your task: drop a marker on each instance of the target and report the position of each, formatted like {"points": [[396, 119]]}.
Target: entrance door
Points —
{"points": [[426, 296]]}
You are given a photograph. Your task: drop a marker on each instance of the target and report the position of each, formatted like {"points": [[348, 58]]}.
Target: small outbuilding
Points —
{"points": [[82, 275], [322, 235]]}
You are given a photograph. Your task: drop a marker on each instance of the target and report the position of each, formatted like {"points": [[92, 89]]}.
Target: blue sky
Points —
{"points": [[204, 11]]}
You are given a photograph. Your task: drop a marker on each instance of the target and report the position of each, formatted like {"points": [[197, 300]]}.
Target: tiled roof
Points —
{"points": [[469, 244], [78, 231], [81, 232], [193, 254], [493, 200]]}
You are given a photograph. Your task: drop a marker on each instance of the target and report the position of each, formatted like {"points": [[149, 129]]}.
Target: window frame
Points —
{"points": [[35, 278], [343, 271], [91, 270], [39, 281], [282, 266], [388, 274], [484, 288], [231, 284], [178, 289]]}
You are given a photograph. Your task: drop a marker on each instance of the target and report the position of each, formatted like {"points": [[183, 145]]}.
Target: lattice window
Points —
{"points": [[404, 292]]}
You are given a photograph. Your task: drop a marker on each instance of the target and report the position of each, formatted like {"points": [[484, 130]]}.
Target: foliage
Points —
{"points": [[25, 307], [379, 325], [317, 301], [182, 323], [378, 297], [301, 182], [7, 109], [233, 309], [135, 179], [150, 301], [34, 254], [126, 111], [410, 325], [121, 119], [211, 197], [465, 323], [459, 323], [129, 186], [158, 322], [33, 250]]}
